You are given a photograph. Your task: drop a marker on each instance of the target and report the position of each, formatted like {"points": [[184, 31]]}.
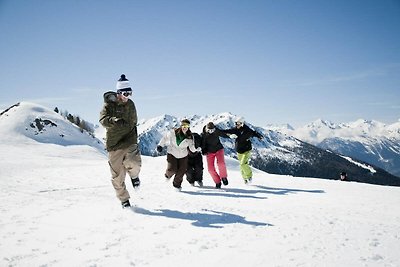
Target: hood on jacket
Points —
{"points": [[110, 97]]}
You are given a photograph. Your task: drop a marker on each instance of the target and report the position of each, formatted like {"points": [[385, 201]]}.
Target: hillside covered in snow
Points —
{"points": [[58, 208], [43, 125]]}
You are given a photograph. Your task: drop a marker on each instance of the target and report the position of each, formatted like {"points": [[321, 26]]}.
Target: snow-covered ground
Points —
{"points": [[58, 208]]}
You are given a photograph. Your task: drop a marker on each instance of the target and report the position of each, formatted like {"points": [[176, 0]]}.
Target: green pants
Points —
{"points": [[245, 169]]}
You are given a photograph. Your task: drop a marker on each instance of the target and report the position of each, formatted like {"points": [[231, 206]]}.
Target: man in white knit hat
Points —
{"points": [[119, 117]]}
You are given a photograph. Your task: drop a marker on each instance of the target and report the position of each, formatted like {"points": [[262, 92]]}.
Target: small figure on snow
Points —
{"points": [[119, 117], [343, 176], [177, 142], [214, 151], [242, 133]]}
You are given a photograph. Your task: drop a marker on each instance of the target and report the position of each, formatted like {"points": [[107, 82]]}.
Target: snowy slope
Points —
{"points": [[58, 208], [370, 141], [43, 125]]}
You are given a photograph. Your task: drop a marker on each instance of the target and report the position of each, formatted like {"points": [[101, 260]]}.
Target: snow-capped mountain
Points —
{"points": [[276, 153], [43, 125], [370, 141]]}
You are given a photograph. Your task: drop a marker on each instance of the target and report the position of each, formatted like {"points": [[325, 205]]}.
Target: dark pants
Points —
{"points": [[195, 168], [176, 167]]}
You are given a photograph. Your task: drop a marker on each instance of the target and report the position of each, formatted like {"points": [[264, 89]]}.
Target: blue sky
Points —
{"points": [[273, 62]]}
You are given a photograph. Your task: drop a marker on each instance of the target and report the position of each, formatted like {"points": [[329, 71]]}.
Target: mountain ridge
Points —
{"points": [[277, 153], [368, 140]]}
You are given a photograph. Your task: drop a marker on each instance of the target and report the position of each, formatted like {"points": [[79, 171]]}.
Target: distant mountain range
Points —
{"points": [[277, 153], [370, 141]]}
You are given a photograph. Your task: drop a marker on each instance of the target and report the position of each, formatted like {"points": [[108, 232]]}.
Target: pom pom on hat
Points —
{"points": [[123, 84]]}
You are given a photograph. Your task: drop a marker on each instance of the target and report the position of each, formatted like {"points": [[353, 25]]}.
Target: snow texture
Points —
{"points": [[58, 208]]}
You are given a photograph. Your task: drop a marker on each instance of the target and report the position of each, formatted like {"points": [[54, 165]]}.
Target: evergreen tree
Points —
{"points": [[70, 118], [78, 121], [83, 125]]}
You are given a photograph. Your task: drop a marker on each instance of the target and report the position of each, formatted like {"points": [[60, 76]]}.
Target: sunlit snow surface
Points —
{"points": [[58, 208]]}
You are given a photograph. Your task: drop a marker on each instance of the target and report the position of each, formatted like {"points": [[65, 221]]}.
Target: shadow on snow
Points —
{"points": [[225, 192], [285, 191], [248, 193], [213, 219]]}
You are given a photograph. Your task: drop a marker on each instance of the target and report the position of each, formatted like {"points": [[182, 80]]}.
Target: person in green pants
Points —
{"points": [[243, 146]]}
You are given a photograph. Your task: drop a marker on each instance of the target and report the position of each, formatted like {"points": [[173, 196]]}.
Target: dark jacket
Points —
{"points": [[118, 136], [194, 170], [197, 143], [197, 140], [243, 142], [211, 142]]}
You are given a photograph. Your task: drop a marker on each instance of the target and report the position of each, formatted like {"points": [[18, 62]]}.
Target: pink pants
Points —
{"points": [[219, 155]]}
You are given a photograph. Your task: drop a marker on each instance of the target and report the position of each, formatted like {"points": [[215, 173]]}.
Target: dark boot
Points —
{"points": [[126, 204], [135, 182], [224, 181]]}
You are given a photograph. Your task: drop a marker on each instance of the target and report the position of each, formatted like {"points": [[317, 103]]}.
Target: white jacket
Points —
{"points": [[169, 140]]}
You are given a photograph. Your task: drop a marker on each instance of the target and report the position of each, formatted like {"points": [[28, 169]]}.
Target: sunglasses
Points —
{"points": [[239, 123], [126, 94], [210, 131], [186, 126]]}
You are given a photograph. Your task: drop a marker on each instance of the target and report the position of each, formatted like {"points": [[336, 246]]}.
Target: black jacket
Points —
{"points": [[211, 142], [197, 143], [242, 142]]}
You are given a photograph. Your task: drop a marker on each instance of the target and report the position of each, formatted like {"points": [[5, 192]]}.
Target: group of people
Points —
{"points": [[184, 148]]}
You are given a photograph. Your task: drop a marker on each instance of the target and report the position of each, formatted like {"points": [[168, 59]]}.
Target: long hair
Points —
{"points": [[188, 134]]}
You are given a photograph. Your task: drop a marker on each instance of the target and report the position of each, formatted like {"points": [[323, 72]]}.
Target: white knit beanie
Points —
{"points": [[240, 120], [123, 84]]}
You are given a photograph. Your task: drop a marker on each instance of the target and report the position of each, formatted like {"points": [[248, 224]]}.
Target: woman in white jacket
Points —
{"points": [[177, 141]]}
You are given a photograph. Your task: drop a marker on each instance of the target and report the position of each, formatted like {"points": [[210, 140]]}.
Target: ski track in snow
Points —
{"points": [[58, 209]]}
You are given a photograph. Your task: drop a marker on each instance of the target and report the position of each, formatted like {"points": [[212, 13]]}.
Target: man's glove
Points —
{"points": [[117, 121], [159, 149]]}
